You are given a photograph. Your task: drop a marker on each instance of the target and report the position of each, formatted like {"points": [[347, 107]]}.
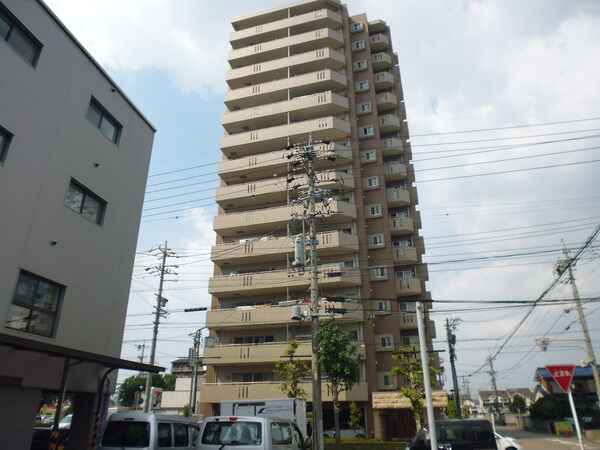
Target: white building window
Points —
{"points": [[383, 305], [367, 131], [409, 307], [360, 65], [85, 202], [376, 240], [369, 156], [372, 182], [385, 341], [365, 108], [375, 210], [362, 86], [401, 274], [389, 381], [408, 341], [358, 45], [357, 27], [379, 272]]}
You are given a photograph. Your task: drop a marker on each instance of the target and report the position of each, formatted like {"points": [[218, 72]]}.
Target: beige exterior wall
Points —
{"points": [[300, 72]]}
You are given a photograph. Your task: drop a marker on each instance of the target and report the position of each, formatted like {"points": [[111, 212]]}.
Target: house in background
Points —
{"points": [[173, 402], [504, 399], [74, 157], [583, 380]]}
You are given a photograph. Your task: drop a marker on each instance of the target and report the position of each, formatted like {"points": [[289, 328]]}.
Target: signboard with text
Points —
{"points": [[563, 375]]}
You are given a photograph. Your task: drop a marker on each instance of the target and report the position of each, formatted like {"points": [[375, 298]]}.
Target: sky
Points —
{"points": [[489, 86]]}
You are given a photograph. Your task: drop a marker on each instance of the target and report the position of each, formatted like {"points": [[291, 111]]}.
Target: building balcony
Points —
{"points": [[384, 80], [251, 223], [278, 281], [277, 90], [394, 171], [386, 100], [381, 60], [278, 28], [397, 197], [404, 255], [247, 317], [216, 392], [389, 122], [379, 42], [391, 147], [401, 225], [275, 138], [324, 58], [275, 190], [278, 48], [277, 249], [295, 110], [408, 286], [377, 26], [408, 321], [264, 165]]}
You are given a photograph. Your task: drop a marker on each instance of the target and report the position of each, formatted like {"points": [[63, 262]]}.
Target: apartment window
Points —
{"points": [[388, 381], [5, 138], [102, 119], [400, 274], [380, 272], [383, 305], [367, 131], [356, 27], [360, 65], [369, 156], [402, 243], [18, 37], [362, 86], [256, 377], [409, 307], [35, 305], [85, 202], [408, 341], [365, 108], [372, 182], [385, 341], [358, 45], [377, 239], [353, 335], [375, 210]]}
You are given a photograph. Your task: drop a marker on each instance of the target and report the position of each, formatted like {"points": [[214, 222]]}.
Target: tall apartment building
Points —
{"points": [[309, 72], [74, 157]]}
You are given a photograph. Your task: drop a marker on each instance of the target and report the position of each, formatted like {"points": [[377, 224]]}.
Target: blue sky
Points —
{"points": [[466, 65]]}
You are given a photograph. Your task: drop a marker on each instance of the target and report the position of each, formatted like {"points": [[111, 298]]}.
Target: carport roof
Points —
{"points": [[29, 345]]}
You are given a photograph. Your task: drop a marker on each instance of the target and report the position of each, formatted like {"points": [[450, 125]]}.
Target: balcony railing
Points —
{"points": [[386, 100], [381, 60], [277, 249], [216, 392], [263, 220], [404, 255], [389, 122], [408, 286], [264, 165], [273, 138], [394, 171], [391, 146], [279, 28], [401, 225], [379, 42], [384, 80], [278, 281]]}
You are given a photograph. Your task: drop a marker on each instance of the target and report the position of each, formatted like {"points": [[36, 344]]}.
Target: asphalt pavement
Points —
{"points": [[539, 441]]}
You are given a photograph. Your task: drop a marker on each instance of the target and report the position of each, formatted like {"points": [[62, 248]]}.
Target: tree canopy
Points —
{"points": [[292, 372]]}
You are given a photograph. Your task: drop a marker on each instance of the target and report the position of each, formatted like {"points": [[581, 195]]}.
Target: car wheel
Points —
{"points": [[510, 448], [360, 436]]}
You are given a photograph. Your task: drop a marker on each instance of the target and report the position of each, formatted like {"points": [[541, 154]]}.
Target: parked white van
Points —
{"points": [[252, 433], [146, 431]]}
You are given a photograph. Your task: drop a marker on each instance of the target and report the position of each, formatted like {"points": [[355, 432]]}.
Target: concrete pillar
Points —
{"points": [[83, 421], [18, 411]]}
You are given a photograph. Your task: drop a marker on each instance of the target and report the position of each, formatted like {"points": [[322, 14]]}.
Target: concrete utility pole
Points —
{"points": [[582, 320], [194, 363], [161, 302], [306, 155], [493, 375], [450, 328], [426, 376]]}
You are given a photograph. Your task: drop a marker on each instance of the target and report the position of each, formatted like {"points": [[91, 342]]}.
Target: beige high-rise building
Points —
{"points": [[309, 72]]}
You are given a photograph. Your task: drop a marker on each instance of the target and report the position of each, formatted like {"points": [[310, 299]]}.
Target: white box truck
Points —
{"points": [[284, 408]]}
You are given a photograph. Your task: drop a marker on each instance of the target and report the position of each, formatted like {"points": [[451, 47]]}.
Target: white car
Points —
{"points": [[507, 443]]}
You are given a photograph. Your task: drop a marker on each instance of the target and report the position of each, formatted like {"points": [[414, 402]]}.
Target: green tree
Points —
{"points": [[168, 382], [129, 387], [292, 372], [518, 404], [335, 358], [355, 417], [410, 369]]}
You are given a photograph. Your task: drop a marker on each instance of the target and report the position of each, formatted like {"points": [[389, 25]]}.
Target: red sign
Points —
{"points": [[563, 375]]}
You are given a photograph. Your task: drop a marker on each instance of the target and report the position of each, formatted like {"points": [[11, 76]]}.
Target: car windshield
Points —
{"points": [[232, 433], [463, 431], [126, 434]]}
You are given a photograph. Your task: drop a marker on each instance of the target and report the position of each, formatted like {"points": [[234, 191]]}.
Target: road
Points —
{"points": [[537, 441]]}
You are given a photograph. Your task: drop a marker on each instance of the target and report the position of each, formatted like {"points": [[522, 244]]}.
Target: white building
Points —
{"points": [[74, 157]]}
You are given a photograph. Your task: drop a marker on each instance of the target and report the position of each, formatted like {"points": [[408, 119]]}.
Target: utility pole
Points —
{"points": [[426, 376], [450, 328], [161, 302], [568, 263], [194, 363], [493, 375], [306, 155], [466, 387], [142, 347]]}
